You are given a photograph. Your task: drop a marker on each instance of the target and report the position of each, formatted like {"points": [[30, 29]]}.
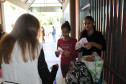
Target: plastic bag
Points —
{"points": [[94, 63], [60, 50], [81, 43]]}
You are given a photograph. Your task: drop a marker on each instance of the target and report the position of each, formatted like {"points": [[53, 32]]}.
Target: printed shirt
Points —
{"points": [[67, 46]]}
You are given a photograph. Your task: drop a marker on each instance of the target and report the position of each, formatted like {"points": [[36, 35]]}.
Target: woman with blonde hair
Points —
{"points": [[21, 55]]}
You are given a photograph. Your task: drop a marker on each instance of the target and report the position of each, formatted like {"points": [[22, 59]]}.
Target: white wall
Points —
{"points": [[67, 13], [66, 10], [65, 4], [19, 4], [8, 16]]}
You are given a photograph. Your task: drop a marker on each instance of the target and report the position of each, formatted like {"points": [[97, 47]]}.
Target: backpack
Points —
{"points": [[78, 74]]}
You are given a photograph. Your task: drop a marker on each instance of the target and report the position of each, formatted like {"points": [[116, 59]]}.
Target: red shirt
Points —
{"points": [[67, 46]]}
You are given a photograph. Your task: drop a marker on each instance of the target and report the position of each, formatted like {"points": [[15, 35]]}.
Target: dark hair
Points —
{"points": [[92, 19], [66, 25], [89, 17]]}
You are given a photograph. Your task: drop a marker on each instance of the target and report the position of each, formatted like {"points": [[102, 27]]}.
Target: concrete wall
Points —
{"points": [[65, 4], [19, 4]]}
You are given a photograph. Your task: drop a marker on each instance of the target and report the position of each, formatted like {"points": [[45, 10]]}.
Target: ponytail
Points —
{"points": [[66, 25]]}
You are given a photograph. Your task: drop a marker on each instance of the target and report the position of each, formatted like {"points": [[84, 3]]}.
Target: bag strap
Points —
{"points": [[79, 56]]}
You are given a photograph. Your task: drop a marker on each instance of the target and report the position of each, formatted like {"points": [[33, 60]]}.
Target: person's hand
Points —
{"points": [[89, 45], [79, 50], [54, 65], [67, 54], [57, 65], [57, 53]]}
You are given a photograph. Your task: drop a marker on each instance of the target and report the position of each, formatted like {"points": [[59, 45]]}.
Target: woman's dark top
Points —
{"points": [[46, 76], [96, 37]]}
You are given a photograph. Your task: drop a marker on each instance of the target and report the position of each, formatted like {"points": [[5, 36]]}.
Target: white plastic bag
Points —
{"points": [[60, 50], [81, 43]]}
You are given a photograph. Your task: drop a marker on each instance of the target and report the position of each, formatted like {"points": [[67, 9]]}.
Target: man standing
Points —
{"points": [[43, 34], [54, 33]]}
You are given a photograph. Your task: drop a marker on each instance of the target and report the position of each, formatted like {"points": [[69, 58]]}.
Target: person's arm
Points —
{"points": [[101, 43], [57, 53], [91, 44], [81, 35], [58, 43], [46, 76], [99, 46], [74, 52]]}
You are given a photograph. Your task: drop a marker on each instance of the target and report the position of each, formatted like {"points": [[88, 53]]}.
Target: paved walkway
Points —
{"points": [[49, 51]]}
